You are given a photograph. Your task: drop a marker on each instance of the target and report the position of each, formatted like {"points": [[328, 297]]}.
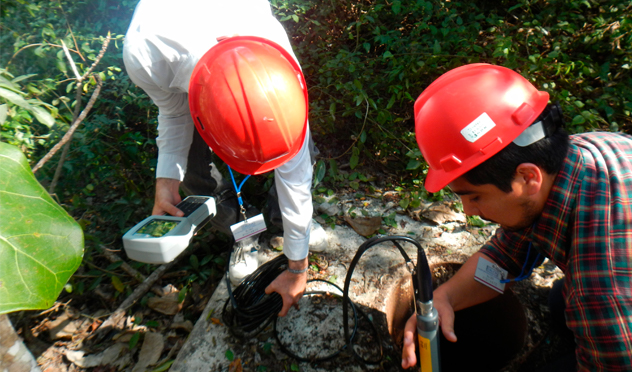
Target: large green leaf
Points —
{"points": [[41, 246], [14, 98], [42, 116]]}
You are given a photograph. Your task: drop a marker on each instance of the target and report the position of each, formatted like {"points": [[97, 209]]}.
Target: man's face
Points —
{"points": [[512, 211]]}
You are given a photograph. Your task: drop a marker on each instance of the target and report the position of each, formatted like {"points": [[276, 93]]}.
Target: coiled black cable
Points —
{"points": [[252, 309], [287, 351]]}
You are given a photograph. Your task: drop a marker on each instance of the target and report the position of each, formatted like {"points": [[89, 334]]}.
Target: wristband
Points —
{"points": [[297, 271]]}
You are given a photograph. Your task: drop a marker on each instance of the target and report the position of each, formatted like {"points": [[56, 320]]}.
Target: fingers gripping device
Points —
{"points": [[160, 239]]}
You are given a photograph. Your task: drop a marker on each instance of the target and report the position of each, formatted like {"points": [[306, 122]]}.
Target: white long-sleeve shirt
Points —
{"points": [[164, 42]]}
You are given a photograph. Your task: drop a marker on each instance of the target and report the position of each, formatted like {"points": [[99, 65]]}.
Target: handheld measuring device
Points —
{"points": [[160, 239]]}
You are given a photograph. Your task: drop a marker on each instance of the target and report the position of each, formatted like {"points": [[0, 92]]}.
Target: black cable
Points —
{"points": [[287, 351], [252, 309], [423, 282]]}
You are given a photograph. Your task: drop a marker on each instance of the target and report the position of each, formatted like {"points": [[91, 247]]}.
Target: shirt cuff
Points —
{"points": [[295, 249], [171, 166]]}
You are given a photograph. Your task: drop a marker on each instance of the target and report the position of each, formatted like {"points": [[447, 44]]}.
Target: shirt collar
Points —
{"points": [[551, 233]]}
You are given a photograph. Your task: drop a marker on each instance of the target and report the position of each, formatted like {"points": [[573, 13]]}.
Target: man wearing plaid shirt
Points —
{"points": [[567, 198], [585, 228]]}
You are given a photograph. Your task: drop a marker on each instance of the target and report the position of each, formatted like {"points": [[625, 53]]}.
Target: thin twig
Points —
{"points": [[72, 62], [116, 317], [104, 47], [100, 269], [72, 34], [392, 135], [74, 126], [35, 45], [78, 96], [124, 266], [54, 307], [113, 257], [60, 164]]}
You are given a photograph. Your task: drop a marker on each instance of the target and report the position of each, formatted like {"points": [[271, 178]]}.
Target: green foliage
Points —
{"points": [[229, 355], [381, 55], [106, 181], [18, 111], [475, 221], [365, 62], [41, 246], [134, 340], [164, 366], [107, 176]]}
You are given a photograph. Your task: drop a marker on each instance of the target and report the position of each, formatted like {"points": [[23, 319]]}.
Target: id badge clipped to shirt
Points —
{"points": [[249, 227], [490, 274]]}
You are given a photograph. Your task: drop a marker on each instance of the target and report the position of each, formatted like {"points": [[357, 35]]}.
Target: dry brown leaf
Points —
{"points": [[186, 326], [63, 327], [168, 305], [216, 321], [441, 213], [365, 226], [168, 289], [438, 212], [94, 325], [108, 356], [235, 366], [150, 352], [276, 242]]}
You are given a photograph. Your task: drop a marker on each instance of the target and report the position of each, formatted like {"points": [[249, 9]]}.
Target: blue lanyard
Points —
{"points": [[524, 275], [238, 191]]}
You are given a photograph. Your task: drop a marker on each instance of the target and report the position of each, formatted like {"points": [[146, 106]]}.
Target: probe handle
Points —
{"points": [[427, 327]]}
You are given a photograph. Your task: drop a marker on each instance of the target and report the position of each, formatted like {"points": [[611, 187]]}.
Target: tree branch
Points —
{"points": [[73, 127], [99, 56]]}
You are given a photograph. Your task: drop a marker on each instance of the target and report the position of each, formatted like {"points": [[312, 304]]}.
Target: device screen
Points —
{"points": [[158, 228]]}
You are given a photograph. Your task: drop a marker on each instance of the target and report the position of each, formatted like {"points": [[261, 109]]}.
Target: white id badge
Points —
{"points": [[490, 274], [252, 226]]}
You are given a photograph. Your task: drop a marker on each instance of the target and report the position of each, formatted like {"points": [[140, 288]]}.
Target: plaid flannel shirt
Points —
{"points": [[586, 230]]}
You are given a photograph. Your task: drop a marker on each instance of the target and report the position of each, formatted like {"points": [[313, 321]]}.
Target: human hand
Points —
{"points": [[446, 314], [290, 286], [167, 197], [446, 321], [409, 358]]}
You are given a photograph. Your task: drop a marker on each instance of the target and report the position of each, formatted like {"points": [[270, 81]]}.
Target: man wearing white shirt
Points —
{"points": [[163, 44]]}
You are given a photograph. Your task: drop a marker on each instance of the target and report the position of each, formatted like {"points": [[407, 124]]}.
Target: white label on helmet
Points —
{"points": [[478, 128]]}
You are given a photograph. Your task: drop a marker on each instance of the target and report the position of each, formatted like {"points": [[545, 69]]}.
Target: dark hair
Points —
{"points": [[548, 153]]}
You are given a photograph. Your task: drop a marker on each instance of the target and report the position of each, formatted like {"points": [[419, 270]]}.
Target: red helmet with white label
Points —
{"points": [[248, 99], [469, 114]]}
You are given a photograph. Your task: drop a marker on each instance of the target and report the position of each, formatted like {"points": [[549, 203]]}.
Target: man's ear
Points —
{"points": [[529, 178]]}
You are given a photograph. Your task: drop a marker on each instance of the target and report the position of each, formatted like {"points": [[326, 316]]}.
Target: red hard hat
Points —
{"points": [[469, 114], [248, 100]]}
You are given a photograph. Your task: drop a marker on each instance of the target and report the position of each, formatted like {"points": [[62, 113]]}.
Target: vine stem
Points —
{"points": [[366, 115]]}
